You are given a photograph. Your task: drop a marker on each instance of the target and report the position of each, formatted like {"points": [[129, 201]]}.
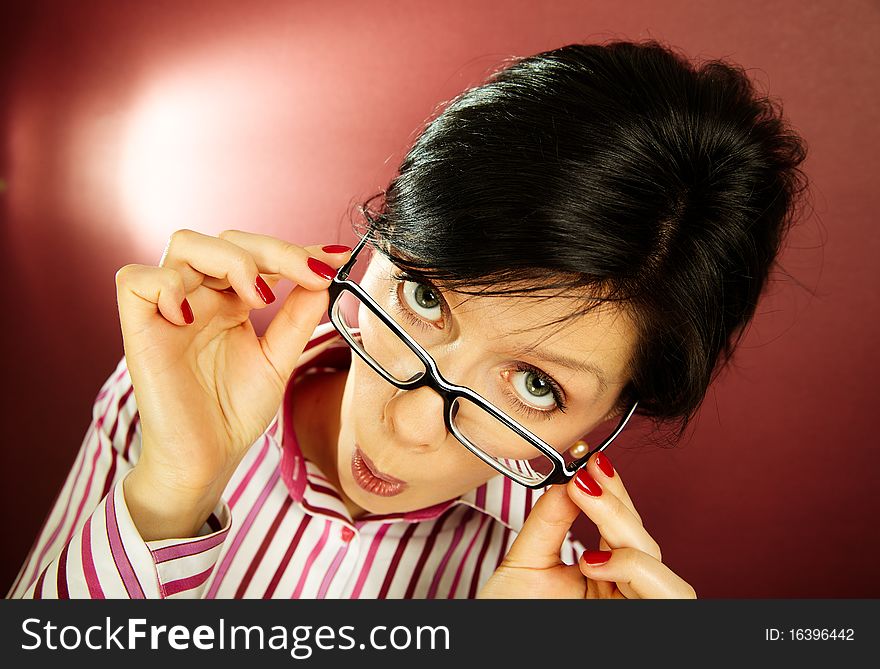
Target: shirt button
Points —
{"points": [[347, 533]]}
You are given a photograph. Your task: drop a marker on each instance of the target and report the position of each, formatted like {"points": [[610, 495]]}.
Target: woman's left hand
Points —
{"points": [[631, 565]]}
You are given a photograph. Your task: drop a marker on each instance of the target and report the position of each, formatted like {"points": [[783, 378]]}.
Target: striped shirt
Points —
{"points": [[280, 529]]}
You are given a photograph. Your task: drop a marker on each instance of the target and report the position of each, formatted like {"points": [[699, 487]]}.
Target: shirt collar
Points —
{"points": [[500, 498]]}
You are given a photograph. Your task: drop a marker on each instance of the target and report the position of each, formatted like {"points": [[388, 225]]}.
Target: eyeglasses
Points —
{"points": [[523, 455]]}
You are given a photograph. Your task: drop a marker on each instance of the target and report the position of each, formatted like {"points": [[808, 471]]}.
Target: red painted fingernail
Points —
{"points": [[585, 482], [336, 248], [263, 289], [187, 311], [594, 558], [604, 463], [322, 269]]}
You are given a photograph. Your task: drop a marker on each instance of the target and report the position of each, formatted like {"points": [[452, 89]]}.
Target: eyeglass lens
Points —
{"points": [[506, 447]]}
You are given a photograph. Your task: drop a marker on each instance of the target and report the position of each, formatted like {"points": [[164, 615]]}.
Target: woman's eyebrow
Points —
{"points": [[577, 365]]}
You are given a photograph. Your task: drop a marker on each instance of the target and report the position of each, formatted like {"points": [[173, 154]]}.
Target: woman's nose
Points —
{"points": [[415, 418]]}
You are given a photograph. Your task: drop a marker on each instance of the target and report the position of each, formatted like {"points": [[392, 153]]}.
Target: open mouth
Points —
{"points": [[371, 480]]}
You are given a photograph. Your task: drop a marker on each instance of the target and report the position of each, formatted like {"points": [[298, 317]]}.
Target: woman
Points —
{"points": [[587, 232]]}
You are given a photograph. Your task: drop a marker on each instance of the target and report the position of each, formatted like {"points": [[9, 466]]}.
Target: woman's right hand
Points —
{"points": [[207, 390]]}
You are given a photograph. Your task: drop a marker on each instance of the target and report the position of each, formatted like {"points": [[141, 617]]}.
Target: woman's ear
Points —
{"points": [[613, 412]]}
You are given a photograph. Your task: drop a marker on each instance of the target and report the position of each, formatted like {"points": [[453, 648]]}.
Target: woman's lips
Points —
{"points": [[370, 479]]}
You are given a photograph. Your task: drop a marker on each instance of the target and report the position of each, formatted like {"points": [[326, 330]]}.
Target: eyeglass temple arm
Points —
{"points": [[573, 466], [343, 271]]}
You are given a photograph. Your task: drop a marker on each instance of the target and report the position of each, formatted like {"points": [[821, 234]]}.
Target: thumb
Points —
{"points": [[292, 327], [539, 542]]}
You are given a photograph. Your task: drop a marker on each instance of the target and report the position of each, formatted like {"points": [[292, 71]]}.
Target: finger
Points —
{"points": [[645, 575], [602, 469], [316, 251], [319, 251], [307, 266], [141, 289], [604, 588], [290, 330], [216, 263], [540, 539], [616, 522], [239, 258]]}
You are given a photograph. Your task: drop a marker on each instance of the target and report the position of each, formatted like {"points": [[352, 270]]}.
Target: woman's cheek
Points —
{"points": [[369, 386], [462, 471]]}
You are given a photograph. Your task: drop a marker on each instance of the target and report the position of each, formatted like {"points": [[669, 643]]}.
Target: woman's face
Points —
{"points": [[401, 434]]}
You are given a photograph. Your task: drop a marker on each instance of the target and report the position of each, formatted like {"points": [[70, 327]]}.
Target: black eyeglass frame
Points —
{"points": [[450, 392]]}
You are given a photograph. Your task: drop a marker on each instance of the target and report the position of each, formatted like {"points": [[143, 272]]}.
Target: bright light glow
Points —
{"points": [[213, 147], [161, 161]]}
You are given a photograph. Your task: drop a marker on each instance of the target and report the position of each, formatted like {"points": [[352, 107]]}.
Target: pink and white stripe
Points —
{"points": [[281, 531]]}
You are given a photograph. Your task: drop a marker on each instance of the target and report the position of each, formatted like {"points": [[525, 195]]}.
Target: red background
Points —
{"points": [[125, 121]]}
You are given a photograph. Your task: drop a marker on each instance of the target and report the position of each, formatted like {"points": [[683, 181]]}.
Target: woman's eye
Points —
{"points": [[534, 389], [422, 300], [536, 394]]}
